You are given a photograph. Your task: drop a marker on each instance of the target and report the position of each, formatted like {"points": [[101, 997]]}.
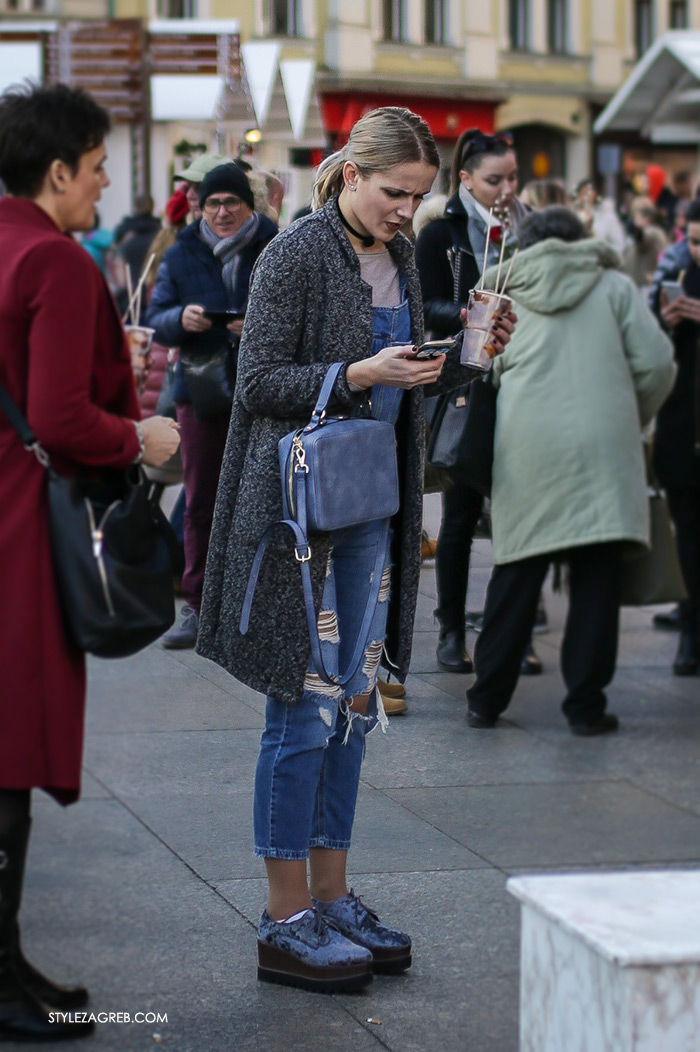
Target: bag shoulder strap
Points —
{"points": [[16, 418], [302, 552], [324, 396]]}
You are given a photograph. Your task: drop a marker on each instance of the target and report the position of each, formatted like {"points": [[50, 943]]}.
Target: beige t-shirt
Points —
{"points": [[379, 270]]}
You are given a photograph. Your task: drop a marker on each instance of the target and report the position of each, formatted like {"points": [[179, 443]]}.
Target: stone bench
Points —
{"points": [[610, 962]]}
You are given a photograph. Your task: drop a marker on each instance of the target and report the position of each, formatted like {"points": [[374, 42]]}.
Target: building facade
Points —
{"points": [[542, 69]]}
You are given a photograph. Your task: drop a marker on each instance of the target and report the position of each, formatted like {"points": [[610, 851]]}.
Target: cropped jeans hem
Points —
{"points": [[281, 853], [330, 845]]}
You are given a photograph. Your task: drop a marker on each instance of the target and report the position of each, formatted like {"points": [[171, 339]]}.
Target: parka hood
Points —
{"points": [[555, 275]]}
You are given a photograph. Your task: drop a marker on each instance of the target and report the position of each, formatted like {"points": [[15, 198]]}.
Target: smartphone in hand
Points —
{"points": [[434, 348], [673, 290]]}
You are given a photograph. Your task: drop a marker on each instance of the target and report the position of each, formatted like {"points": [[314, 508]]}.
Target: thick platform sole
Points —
{"points": [[383, 964], [277, 966]]}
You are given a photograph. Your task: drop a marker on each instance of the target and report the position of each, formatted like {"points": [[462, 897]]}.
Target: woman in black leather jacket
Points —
{"points": [[450, 255]]}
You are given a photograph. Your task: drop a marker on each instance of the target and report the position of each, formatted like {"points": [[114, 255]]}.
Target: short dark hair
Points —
{"points": [[556, 221], [39, 125], [692, 214]]}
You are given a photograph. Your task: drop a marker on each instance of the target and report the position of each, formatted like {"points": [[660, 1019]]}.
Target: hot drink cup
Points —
{"points": [[478, 349], [140, 339], [486, 307]]}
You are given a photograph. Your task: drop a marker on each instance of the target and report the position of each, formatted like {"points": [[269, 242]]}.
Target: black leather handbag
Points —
{"points": [[462, 433], [210, 381], [114, 553]]}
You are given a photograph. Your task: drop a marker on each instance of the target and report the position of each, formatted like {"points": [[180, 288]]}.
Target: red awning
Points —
{"points": [[447, 118]]}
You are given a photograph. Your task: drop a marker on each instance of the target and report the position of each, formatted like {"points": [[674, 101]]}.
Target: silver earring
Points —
{"points": [[352, 186]]}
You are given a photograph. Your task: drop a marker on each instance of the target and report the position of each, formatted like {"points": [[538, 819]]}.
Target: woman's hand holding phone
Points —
{"points": [[396, 367]]}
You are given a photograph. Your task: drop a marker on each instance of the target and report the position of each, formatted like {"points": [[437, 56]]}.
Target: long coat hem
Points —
{"points": [[580, 541]]}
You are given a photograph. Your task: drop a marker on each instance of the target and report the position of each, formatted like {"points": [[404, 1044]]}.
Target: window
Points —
{"points": [[678, 14], [177, 8], [436, 21], [520, 25], [558, 28], [284, 18], [12, 7], [395, 20], [643, 25]]}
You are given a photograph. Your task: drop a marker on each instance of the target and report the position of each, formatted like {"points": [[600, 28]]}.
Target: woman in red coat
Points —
{"points": [[65, 363]]}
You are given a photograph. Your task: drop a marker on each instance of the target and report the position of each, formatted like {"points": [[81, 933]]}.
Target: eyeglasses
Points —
{"points": [[229, 205]]}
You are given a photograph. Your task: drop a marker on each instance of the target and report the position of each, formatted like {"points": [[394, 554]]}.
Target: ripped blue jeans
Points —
{"points": [[308, 769]]}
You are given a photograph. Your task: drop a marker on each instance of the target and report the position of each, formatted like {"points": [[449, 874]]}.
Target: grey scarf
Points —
{"points": [[227, 250], [477, 228]]}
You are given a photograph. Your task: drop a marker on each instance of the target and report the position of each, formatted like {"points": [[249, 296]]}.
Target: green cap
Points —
{"points": [[201, 166]]}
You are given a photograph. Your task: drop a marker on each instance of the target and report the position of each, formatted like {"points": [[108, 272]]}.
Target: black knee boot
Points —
{"points": [[687, 659], [24, 993]]}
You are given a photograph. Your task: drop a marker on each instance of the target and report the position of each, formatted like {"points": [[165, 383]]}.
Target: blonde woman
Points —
{"points": [[339, 285]]}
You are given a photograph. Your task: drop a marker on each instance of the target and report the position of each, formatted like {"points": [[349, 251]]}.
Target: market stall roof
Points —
{"points": [[660, 98]]}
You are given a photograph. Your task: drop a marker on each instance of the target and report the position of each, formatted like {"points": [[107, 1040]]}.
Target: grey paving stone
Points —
{"points": [[153, 691], [135, 766], [603, 823], [433, 746]]}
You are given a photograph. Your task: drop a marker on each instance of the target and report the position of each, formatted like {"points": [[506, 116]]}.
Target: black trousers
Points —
{"points": [[461, 509], [589, 646], [684, 506]]}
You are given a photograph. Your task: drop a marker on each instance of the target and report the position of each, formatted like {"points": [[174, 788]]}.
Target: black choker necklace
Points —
{"points": [[366, 239]]}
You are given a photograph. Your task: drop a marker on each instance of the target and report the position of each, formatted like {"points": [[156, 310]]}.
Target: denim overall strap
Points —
{"points": [[390, 326]]}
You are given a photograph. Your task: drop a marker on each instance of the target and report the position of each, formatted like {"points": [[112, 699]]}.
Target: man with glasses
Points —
{"points": [[202, 281]]}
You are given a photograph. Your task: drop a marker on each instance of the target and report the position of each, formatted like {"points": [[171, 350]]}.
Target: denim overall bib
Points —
{"points": [[308, 769]]}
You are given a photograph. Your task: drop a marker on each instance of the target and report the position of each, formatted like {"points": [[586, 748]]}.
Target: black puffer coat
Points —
{"points": [[443, 252]]}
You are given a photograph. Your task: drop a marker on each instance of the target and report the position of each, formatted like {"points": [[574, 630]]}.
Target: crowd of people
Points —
{"points": [[252, 326]]}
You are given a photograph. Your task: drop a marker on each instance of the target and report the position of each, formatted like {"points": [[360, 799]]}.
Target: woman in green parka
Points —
{"points": [[588, 367]]}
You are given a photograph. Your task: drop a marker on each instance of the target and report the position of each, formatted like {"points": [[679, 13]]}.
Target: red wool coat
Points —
{"points": [[65, 363]]}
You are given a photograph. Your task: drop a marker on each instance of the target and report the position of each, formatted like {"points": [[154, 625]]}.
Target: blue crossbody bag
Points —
{"points": [[336, 472]]}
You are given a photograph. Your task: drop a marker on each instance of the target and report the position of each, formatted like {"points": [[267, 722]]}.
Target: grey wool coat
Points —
{"points": [[308, 308]]}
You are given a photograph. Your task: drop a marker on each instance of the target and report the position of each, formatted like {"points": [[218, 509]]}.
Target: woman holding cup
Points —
{"points": [[451, 253], [65, 364]]}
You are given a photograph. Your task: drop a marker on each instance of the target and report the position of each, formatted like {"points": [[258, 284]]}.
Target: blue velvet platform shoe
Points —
{"points": [[391, 949], [312, 955]]}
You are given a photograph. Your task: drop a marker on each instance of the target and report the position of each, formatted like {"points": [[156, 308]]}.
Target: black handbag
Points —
{"points": [[653, 575], [210, 381], [462, 433], [335, 472], [114, 553]]}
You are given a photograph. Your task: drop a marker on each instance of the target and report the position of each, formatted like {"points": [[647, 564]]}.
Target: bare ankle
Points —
{"points": [[328, 892]]}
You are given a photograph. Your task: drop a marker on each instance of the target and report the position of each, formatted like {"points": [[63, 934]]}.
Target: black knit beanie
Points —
{"points": [[226, 178]]}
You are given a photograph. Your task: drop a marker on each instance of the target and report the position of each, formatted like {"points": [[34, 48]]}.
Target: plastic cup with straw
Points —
{"points": [[140, 337]]}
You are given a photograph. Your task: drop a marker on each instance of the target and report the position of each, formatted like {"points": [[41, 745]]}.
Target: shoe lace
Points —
{"points": [[362, 912]]}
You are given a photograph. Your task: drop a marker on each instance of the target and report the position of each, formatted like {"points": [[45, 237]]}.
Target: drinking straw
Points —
{"points": [[139, 289], [507, 277], [129, 293], [500, 258], [486, 250], [134, 308]]}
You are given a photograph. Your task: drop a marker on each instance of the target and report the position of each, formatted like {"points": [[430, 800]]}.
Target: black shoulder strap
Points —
{"points": [[16, 419]]}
